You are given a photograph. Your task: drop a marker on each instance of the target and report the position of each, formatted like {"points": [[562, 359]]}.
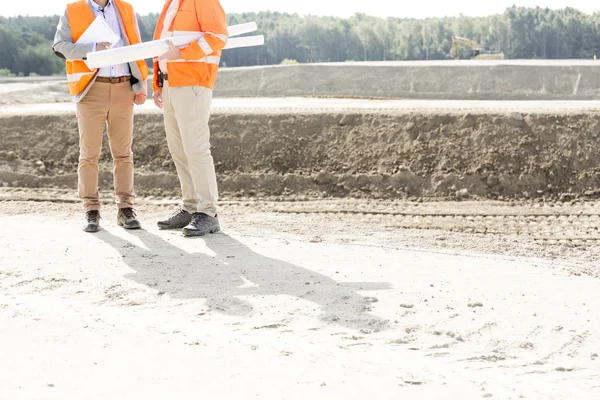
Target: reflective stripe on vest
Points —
{"points": [[207, 60], [77, 76]]}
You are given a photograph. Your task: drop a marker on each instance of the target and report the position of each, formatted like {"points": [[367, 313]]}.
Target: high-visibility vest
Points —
{"points": [[200, 63], [80, 18]]}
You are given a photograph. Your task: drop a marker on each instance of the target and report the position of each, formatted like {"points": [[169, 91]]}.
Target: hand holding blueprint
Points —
{"points": [[99, 32], [157, 48]]}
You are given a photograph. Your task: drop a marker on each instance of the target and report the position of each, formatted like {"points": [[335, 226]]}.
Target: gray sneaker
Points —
{"points": [[201, 225], [178, 220]]}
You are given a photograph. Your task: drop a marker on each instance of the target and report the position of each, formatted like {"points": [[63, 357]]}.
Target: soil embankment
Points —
{"points": [[341, 154]]}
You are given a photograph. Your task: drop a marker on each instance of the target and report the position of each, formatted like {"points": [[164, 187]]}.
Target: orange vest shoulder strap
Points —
{"points": [[80, 18], [128, 18]]}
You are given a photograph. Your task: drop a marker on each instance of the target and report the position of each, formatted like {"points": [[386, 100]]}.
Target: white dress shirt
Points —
{"points": [[169, 17], [110, 14]]}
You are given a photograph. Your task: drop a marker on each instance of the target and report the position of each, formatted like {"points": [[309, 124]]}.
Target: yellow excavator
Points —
{"points": [[476, 52]]}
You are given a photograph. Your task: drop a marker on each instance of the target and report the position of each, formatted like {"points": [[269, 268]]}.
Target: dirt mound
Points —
{"points": [[371, 155], [463, 80], [450, 80], [33, 90]]}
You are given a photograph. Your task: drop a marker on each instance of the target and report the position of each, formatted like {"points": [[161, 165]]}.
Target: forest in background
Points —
{"points": [[520, 33]]}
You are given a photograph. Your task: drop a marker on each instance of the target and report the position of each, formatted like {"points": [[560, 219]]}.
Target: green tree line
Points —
{"points": [[520, 33]]}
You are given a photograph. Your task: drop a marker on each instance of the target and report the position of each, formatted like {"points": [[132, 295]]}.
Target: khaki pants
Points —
{"points": [[186, 113], [112, 104]]}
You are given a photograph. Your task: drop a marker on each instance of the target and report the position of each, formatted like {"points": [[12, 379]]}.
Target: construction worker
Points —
{"points": [[183, 82], [105, 95]]}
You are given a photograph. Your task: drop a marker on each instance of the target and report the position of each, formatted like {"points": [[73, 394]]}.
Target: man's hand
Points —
{"points": [[102, 46], [158, 100], [139, 99], [172, 54]]}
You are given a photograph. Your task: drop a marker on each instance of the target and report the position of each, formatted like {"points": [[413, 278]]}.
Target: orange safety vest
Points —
{"points": [[80, 18], [200, 63]]}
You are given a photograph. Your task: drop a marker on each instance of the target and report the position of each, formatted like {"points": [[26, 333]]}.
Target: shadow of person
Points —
{"points": [[225, 272]]}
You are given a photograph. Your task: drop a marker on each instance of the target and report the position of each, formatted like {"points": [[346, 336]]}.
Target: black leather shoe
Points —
{"points": [[127, 219], [201, 225], [178, 220], [92, 221]]}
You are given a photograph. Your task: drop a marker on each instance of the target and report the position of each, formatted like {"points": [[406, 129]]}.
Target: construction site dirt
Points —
{"points": [[341, 152], [432, 248]]}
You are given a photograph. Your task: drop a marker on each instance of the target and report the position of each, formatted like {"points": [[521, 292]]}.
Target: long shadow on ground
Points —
{"points": [[235, 270]]}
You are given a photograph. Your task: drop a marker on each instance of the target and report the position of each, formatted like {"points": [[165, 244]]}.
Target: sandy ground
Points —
{"points": [[315, 289], [33, 90], [288, 306]]}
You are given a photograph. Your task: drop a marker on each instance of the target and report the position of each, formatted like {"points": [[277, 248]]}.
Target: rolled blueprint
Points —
{"points": [[240, 29], [245, 41], [157, 48]]}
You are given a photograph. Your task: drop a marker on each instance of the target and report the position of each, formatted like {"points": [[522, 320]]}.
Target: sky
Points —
{"points": [[340, 8]]}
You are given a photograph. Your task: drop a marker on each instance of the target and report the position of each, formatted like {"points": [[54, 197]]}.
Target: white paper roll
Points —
{"points": [[127, 54], [241, 29], [157, 48], [245, 41]]}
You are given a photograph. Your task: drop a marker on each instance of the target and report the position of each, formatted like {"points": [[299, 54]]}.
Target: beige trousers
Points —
{"points": [[112, 104], [186, 113]]}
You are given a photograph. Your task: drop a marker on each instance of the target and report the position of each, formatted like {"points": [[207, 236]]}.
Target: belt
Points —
{"points": [[119, 79]]}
